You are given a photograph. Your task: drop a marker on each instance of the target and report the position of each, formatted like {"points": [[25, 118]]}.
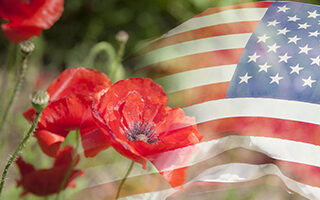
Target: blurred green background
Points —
{"points": [[86, 22]]}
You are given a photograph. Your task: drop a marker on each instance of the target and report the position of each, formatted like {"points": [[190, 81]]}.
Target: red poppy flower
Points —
{"points": [[44, 182], [133, 114], [69, 108], [27, 18]]}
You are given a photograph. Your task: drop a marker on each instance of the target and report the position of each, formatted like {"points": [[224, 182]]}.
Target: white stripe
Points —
{"points": [[280, 149], [196, 78], [235, 173], [224, 17], [159, 195], [233, 41], [255, 107]]}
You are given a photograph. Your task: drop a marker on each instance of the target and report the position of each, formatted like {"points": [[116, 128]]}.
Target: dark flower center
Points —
{"points": [[143, 132]]}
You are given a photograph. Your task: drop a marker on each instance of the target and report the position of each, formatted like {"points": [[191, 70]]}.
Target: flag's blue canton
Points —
{"points": [[282, 57]]}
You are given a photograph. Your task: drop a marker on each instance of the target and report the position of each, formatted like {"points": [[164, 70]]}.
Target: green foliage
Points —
{"points": [[86, 22]]}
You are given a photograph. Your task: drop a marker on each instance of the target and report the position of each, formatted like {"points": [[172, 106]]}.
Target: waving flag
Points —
{"points": [[250, 74]]}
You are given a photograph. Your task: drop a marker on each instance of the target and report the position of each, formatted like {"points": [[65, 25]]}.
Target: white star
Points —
{"points": [[293, 19], [264, 67], [283, 9], [253, 57], [263, 38], [296, 69], [304, 26], [275, 79], [293, 39], [308, 82], [273, 23], [319, 22], [304, 49], [315, 34], [284, 58], [244, 78], [283, 31], [313, 14], [315, 61], [273, 47]]}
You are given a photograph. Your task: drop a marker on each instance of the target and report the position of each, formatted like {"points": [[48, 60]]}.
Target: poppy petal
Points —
{"points": [[93, 141], [125, 103], [48, 181], [78, 80], [150, 92], [28, 18], [133, 108], [69, 113], [133, 115], [175, 177], [118, 144], [24, 168], [46, 15], [71, 97], [49, 142], [17, 33], [64, 156], [177, 128], [29, 115]]}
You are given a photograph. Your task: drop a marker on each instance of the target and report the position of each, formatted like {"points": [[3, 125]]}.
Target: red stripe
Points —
{"points": [[261, 126], [191, 62], [306, 174], [198, 95], [211, 11], [206, 32]]}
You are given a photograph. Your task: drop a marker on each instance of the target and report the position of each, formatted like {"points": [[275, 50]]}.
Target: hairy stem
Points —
{"points": [[21, 73], [20, 147], [124, 179], [11, 58]]}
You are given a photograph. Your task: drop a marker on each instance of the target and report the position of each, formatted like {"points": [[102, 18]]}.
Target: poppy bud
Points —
{"points": [[122, 36], [40, 100], [26, 47]]}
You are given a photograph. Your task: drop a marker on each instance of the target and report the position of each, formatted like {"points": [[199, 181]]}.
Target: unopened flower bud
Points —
{"points": [[122, 36], [27, 47], [40, 100]]}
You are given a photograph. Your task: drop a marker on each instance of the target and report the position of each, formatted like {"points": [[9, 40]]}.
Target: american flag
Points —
{"points": [[250, 74]]}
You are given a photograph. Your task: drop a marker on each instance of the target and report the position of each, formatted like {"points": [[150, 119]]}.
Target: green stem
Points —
{"points": [[11, 58], [115, 67], [3, 143], [15, 154], [13, 95], [98, 48], [124, 179], [67, 174]]}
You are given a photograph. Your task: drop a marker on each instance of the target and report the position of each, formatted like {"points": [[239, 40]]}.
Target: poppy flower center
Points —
{"points": [[142, 132]]}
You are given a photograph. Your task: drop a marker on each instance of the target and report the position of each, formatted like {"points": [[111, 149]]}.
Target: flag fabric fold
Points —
{"points": [[250, 75]]}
